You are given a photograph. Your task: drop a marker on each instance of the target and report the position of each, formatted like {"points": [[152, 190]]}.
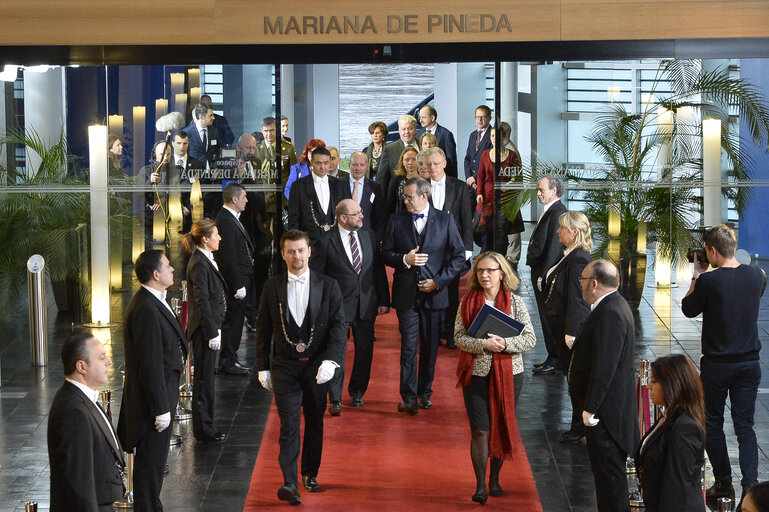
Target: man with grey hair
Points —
{"points": [[407, 130], [423, 245], [544, 251], [602, 380], [335, 171]]}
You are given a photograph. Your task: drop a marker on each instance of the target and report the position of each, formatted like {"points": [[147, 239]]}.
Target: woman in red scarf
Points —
{"points": [[491, 370]]}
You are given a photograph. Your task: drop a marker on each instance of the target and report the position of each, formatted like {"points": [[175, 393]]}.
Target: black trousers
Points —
{"points": [[151, 454], [203, 387], [553, 352], [419, 328], [450, 313], [296, 393], [558, 330], [363, 339], [607, 460], [232, 327]]}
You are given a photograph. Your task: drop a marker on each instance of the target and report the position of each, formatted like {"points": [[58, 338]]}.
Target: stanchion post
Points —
{"points": [[127, 502], [105, 396], [30, 506], [37, 319]]}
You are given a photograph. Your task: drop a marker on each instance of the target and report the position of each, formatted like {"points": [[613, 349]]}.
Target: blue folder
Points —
{"points": [[491, 320]]}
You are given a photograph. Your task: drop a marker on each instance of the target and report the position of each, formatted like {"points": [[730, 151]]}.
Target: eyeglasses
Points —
{"points": [[354, 214], [486, 270], [586, 277]]}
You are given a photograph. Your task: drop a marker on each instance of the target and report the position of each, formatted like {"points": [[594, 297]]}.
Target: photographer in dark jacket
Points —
{"points": [[728, 298]]}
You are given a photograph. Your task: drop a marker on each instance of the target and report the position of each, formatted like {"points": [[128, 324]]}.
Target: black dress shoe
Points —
{"points": [[251, 325], [570, 437], [234, 370], [410, 409], [217, 438], [546, 362], [450, 343], [335, 409], [544, 369], [242, 366], [356, 401], [480, 497], [310, 484], [425, 403], [289, 493]]}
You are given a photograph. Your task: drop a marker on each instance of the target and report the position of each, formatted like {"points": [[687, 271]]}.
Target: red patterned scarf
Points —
{"points": [[501, 387]]}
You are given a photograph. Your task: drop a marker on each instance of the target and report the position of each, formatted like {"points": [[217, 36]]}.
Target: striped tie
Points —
{"points": [[355, 252]]}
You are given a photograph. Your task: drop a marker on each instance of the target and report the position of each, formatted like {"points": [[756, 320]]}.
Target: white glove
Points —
{"points": [[216, 343], [589, 419], [241, 293], [265, 379], [326, 371], [162, 421]]}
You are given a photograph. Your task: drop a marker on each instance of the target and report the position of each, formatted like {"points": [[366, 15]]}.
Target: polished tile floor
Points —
{"points": [[214, 478]]}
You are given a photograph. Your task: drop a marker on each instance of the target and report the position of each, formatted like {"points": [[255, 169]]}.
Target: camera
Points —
{"points": [[701, 256]]}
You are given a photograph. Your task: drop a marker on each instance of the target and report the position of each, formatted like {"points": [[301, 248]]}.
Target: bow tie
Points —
{"points": [[297, 279], [437, 183], [324, 179], [416, 216]]}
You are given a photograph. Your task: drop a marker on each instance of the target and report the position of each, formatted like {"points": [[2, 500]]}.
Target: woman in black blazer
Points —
{"points": [[207, 305], [670, 456], [565, 307]]}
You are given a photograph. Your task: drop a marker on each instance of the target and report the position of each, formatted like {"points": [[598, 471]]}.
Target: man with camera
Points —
{"points": [[728, 298]]}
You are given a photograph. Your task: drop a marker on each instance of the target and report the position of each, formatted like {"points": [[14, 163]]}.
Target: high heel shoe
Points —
{"points": [[480, 497]]}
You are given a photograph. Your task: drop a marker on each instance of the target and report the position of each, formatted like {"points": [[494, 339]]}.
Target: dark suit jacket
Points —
{"points": [[304, 204], [153, 339], [473, 157], [372, 202], [446, 257], [446, 142], [235, 256], [326, 316], [601, 372], [207, 296], [390, 157], [85, 461], [369, 152], [564, 303], [544, 248], [197, 150], [459, 204], [363, 292], [223, 130], [670, 465]]}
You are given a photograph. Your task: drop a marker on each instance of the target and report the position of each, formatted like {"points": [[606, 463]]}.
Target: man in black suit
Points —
{"points": [[185, 171], [313, 201], [544, 251], [428, 118], [366, 193], [235, 258], [602, 379], [424, 247], [85, 457], [204, 142], [451, 196], [352, 259], [155, 346], [220, 123], [479, 141], [407, 129], [300, 310]]}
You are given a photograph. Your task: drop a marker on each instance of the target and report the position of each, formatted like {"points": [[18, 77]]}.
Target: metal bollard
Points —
{"points": [[30, 506], [37, 329], [634, 489], [725, 505], [127, 502]]}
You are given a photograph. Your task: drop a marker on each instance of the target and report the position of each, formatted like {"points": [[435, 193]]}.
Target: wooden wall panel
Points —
{"points": [[145, 22]]}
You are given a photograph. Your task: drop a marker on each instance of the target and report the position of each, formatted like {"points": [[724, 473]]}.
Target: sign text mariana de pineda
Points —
{"points": [[392, 24]]}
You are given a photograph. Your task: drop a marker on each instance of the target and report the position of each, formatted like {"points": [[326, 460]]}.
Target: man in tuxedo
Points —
{"points": [[544, 251], [424, 247], [301, 310], [351, 258], [155, 346], [601, 377], [479, 141], [367, 194], [186, 171], [85, 457], [235, 258], [451, 196], [313, 201], [428, 118], [204, 142], [407, 130], [220, 123]]}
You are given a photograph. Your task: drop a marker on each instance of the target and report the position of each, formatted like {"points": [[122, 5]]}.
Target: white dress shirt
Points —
{"points": [[161, 296], [439, 192], [599, 299], [346, 243], [210, 256], [321, 190], [236, 214], [545, 208], [93, 396], [298, 295]]}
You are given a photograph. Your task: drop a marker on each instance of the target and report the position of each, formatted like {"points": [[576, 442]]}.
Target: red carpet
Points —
{"points": [[377, 459]]}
